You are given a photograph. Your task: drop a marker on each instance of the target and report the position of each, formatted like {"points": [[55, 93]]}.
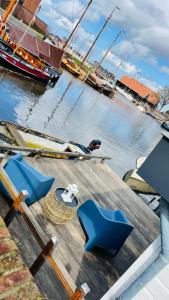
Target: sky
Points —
{"points": [[142, 52]]}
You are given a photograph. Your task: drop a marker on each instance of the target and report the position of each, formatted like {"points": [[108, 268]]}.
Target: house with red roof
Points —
{"points": [[137, 90]]}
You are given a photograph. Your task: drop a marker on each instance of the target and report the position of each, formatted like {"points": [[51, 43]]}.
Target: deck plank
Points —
{"points": [[16, 135]]}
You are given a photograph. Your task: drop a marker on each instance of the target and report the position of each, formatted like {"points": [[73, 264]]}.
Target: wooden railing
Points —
{"points": [[49, 252], [53, 153]]}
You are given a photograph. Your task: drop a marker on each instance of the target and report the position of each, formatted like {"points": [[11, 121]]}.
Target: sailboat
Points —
{"points": [[67, 60], [23, 53], [69, 64]]}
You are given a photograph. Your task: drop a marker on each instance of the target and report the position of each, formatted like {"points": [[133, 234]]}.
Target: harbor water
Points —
{"points": [[74, 111]]}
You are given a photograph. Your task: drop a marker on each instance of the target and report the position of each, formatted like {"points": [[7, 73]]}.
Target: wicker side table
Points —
{"points": [[57, 210]]}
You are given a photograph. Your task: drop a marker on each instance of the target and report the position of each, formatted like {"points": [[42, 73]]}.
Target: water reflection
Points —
{"points": [[58, 104], [27, 85], [73, 107], [74, 111]]}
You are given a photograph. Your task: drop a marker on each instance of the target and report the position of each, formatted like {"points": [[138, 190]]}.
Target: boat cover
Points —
{"points": [[47, 52]]}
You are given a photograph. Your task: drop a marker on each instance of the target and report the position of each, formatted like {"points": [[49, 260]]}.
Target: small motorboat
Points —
{"points": [[12, 134], [137, 183], [165, 125]]}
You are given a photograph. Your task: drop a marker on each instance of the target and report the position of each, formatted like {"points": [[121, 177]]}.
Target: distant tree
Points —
{"points": [[163, 95]]}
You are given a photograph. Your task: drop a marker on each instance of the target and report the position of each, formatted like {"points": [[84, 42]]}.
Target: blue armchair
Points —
{"points": [[25, 177], [104, 228]]}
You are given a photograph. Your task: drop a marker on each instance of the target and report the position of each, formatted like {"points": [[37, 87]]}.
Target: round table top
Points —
{"points": [[59, 192]]}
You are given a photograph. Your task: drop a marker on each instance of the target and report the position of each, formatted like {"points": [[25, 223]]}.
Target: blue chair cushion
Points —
{"points": [[25, 177], [105, 228]]}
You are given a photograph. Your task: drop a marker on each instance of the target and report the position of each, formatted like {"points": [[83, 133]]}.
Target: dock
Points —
{"points": [[99, 269]]}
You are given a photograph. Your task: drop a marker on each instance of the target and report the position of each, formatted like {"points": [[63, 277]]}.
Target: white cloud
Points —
{"points": [[131, 70], [134, 50], [46, 2], [146, 24], [71, 8], [93, 15], [66, 24], [123, 65], [165, 69], [150, 83], [155, 38]]}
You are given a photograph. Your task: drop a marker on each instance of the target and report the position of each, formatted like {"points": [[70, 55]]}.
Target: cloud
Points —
{"points": [[131, 70], [145, 22], [165, 69], [135, 50], [156, 39], [150, 83], [46, 2], [61, 21], [71, 8], [126, 66]]}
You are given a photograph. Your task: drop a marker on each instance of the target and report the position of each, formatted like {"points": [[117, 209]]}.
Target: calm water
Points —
{"points": [[74, 111]]}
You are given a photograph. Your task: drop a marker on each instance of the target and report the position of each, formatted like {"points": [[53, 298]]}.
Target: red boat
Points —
{"points": [[20, 66], [22, 52]]}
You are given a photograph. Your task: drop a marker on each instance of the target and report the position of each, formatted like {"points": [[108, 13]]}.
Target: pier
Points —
{"points": [[98, 269]]}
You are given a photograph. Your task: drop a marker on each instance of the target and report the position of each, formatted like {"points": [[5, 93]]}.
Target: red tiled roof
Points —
{"points": [[142, 90]]}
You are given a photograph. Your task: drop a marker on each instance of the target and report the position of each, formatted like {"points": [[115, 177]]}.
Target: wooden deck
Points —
{"points": [[98, 268]]}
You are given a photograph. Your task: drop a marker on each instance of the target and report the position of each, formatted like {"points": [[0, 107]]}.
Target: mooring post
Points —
{"points": [[41, 258], [81, 293], [12, 212]]}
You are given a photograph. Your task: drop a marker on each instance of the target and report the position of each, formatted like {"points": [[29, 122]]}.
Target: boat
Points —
{"points": [[137, 183], [142, 108], [22, 52], [18, 65], [165, 125], [100, 85], [12, 134], [107, 89], [69, 64], [94, 81]]}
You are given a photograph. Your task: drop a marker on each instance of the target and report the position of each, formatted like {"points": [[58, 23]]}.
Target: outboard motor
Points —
{"points": [[94, 144]]}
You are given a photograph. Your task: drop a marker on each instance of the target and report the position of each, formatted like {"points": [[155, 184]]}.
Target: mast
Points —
{"points": [[117, 68], [108, 50], [83, 14], [6, 14], [105, 24], [26, 30]]}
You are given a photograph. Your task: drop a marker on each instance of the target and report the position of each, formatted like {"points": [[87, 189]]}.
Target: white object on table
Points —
{"points": [[70, 192]]}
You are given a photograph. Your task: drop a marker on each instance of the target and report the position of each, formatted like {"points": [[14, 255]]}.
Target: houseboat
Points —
{"points": [[22, 52]]}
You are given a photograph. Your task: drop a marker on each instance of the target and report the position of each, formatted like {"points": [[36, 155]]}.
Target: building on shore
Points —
{"points": [[137, 91], [56, 40], [25, 11], [4, 3], [102, 72]]}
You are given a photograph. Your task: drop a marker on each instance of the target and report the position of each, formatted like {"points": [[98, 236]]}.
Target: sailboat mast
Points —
{"points": [[73, 31], [108, 50], [26, 30], [105, 24], [7, 13]]}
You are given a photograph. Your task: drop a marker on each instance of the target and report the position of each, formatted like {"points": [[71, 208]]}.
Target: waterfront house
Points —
{"points": [[137, 91]]}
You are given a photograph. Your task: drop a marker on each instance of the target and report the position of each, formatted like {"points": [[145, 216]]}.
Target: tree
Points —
{"points": [[163, 95]]}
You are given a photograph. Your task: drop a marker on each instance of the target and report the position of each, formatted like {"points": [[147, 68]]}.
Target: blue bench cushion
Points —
{"points": [[25, 177], [105, 228]]}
